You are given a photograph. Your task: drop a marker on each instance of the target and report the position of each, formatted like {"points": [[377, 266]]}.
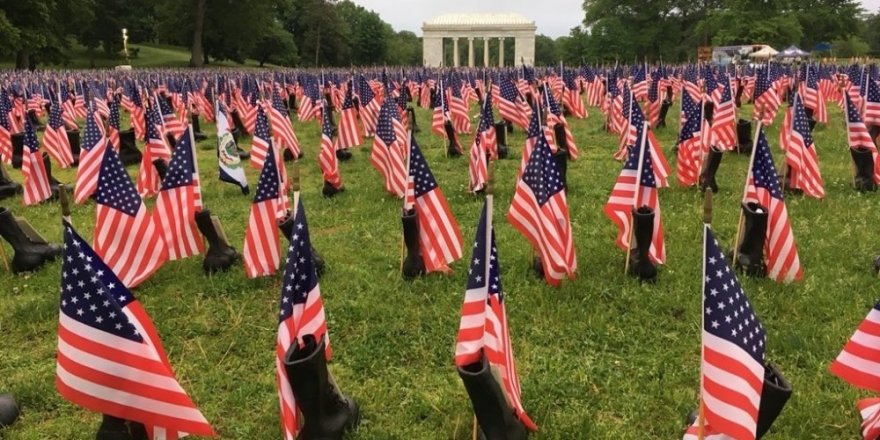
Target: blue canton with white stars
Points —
{"points": [[873, 91], [277, 104], [114, 112], [90, 292], [852, 114], [763, 171], [55, 116], [508, 90], [637, 119], [486, 117], [267, 186], [300, 277], [261, 129], [92, 134], [762, 83], [30, 136], [477, 270], [541, 174], [326, 125], [364, 90], [384, 128], [420, 171], [692, 123], [726, 309], [552, 104], [181, 168], [115, 189], [347, 103], [800, 123], [632, 163]]}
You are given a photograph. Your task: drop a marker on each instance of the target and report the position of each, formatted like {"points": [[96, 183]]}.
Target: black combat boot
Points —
{"points": [[114, 428], [8, 187], [128, 151], [197, 128], [664, 110], [750, 255], [452, 147], [707, 177], [709, 111], [495, 417], [640, 264], [343, 154], [219, 256], [413, 265], [812, 123], [328, 413], [17, 149], [329, 190], [412, 117], [238, 123], [53, 182], [9, 411], [161, 168], [744, 134], [35, 121], [501, 138], [864, 162], [286, 227], [73, 137], [29, 254], [561, 155]]}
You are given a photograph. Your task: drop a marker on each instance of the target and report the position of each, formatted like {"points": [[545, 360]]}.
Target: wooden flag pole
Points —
{"points": [[642, 143], [707, 220], [739, 225]]}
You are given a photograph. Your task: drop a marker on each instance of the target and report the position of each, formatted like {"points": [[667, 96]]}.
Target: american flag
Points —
{"points": [[179, 200], [439, 235], [370, 106], [36, 180], [110, 358], [349, 135], [173, 125], [813, 96], [483, 330], [724, 117], [872, 103], [632, 191], [640, 82], [327, 155], [571, 96], [69, 113], [733, 344], [148, 180], [800, 152], [508, 104], [858, 135], [138, 121], [261, 249], [55, 139], [869, 410], [766, 100], [301, 314], [389, 149], [309, 106], [486, 128], [690, 142], [690, 82], [113, 125], [539, 211], [124, 231], [79, 102], [763, 187], [441, 111], [532, 134], [859, 361], [458, 108], [5, 129], [555, 116], [478, 172], [282, 129], [90, 157], [654, 100], [261, 142]]}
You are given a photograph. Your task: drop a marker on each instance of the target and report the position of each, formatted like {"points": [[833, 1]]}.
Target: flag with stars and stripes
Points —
{"points": [[327, 156], [813, 94], [110, 358], [261, 142], [483, 147], [732, 360], [723, 131], [783, 263], [439, 235], [55, 138], [632, 191], [5, 129], [509, 104], [172, 123], [458, 108], [136, 112], [388, 155], [36, 180], [858, 135], [440, 111], [483, 330], [349, 134], [766, 100], [125, 233], [90, 157], [859, 361], [261, 248], [180, 199], [156, 147], [301, 313], [370, 105], [554, 117], [113, 125], [282, 128], [800, 151], [571, 95], [872, 103], [539, 211], [690, 142]]}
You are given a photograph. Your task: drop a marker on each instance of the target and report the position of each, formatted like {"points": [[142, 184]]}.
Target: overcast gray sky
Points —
{"points": [[553, 17]]}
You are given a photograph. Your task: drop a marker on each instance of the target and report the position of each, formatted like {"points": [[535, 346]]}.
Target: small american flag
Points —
{"points": [[555, 116], [814, 97], [439, 235], [301, 313], [55, 138], [872, 103], [389, 149], [138, 121], [458, 108], [766, 100], [179, 200], [478, 172], [261, 249], [5, 128], [441, 111], [148, 180], [690, 142], [483, 330], [800, 152], [859, 361], [539, 211], [66, 101], [733, 344], [327, 156], [724, 119], [869, 410], [261, 142], [508, 104], [282, 129], [172, 123], [571, 95], [36, 180], [90, 157], [370, 106], [349, 135], [110, 358], [783, 263]]}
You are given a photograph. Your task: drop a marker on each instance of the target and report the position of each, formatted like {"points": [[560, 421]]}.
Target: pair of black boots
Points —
{"points": [[774, 395], [744, 135], [197, 128], [495, 417], [750, 251], [707, 175], [453, 148], [664, 110], [864, 164], [413, 265], [31, 250]]}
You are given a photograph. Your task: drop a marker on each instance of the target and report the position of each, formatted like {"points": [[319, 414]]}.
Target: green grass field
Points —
{"points": [[602, 357], [149, 55]]}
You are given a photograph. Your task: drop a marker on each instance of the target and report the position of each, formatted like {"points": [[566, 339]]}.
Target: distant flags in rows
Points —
{"points": [[370, 105], [349, 133], [282, 128], [55, 139], [690, 141], [261, 249], [36, 181], [440, 239], [301, 313], [156, 148], [113, 124], [858, 135], [733, 345], [812, 94], [327, 155], [172, 124], [485, 144], [539, 211], [571, 95], [69, 112], [231, 169], [458, 108], [110, 358], [510, 104], [125, 233], [137, 111], [766, 100], [872, 103], [556, 117], [389, 149], [483, 330], [180, 199], [723, 130], [5, 128], [91, 156], [796, 140], [783, 263]]}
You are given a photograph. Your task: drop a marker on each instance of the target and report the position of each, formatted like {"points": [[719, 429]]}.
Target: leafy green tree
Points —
{"points": [[276, 47], [404, 49], [366, 35], [545, 51], [36, 31], [318, 32], [852, 46]]}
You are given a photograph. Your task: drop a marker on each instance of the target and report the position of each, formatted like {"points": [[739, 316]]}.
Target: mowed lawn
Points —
{"points": [[602, 357]]}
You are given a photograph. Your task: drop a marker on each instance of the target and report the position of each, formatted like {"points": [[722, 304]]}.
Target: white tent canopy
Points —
{"points": [[765, 52]]}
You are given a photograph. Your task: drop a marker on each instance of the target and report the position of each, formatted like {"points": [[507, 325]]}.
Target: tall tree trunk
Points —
{"points": [[197, 57], [22, 60]]}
